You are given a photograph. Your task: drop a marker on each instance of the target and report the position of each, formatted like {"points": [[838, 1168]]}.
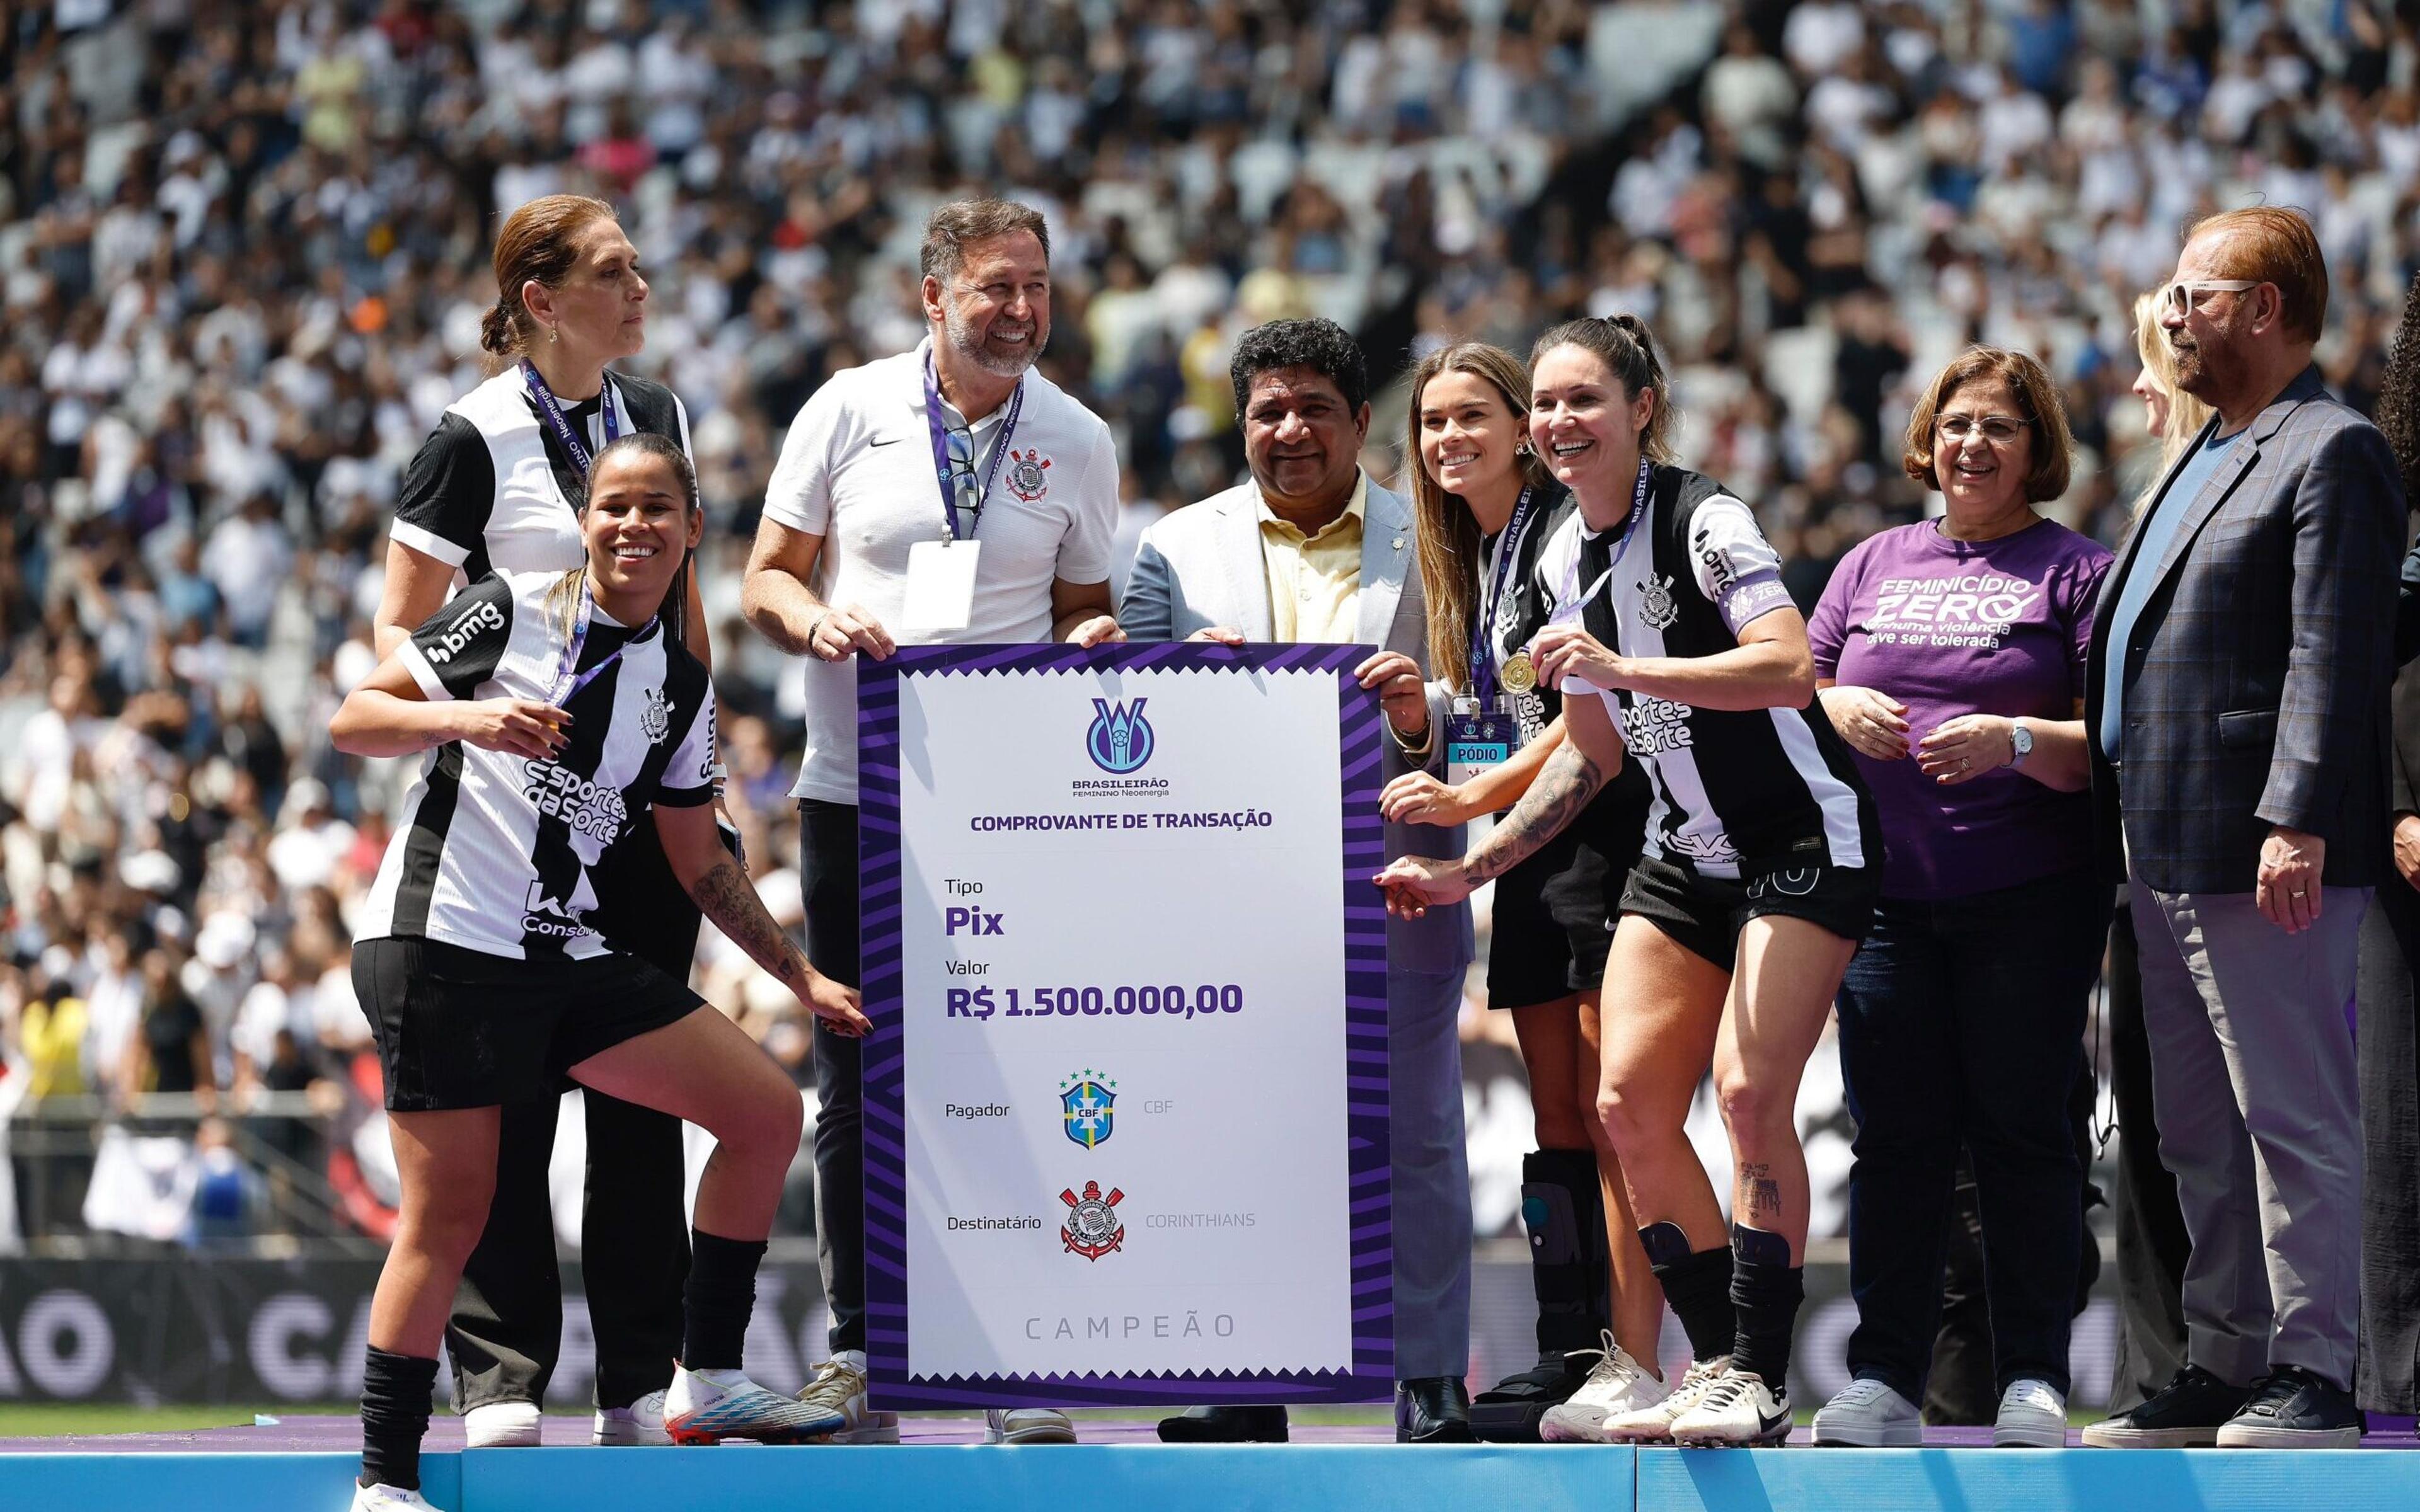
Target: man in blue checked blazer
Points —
{"points": [[2237, 712], [1312, 549]]}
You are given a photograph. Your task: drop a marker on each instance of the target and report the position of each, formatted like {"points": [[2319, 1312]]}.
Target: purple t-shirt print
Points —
{"points": [[1950, 628]]}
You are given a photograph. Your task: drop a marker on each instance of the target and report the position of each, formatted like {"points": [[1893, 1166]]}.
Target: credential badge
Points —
{"points": [[1656, 609], [1092, 1227]]}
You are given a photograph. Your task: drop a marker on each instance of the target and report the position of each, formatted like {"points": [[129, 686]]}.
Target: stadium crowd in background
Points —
{"points": [[243, 255]]}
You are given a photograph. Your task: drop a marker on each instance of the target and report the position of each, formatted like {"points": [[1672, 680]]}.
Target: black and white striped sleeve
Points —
{"points": [[463, 646], [687, 781], [1737, 568], [448, 494]]}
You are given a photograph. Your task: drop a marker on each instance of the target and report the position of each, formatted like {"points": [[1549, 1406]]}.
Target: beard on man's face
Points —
{"points": [[998, 358]]}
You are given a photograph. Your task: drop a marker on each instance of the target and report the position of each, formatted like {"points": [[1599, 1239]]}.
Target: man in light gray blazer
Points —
{"points": [[1311, 549]]}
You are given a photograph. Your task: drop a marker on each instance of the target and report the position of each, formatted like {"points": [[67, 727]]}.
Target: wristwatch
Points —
{"points": [[2021, 742]]}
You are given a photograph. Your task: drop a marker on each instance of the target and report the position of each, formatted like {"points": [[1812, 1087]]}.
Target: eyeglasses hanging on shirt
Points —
{"points": [[940, 589]]}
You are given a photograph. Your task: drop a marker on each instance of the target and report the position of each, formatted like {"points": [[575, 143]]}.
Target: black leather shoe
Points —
{"points": [[2186, 1414], [2294, 1409], [1225, 1425], [1510, 1411], [1432, 1409]]}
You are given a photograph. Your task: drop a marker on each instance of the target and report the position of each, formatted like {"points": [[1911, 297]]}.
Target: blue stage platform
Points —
{"points": [[294, 1468]]}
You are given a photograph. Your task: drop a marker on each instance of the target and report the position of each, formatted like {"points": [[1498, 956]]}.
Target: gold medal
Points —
{"points": [[1520, 672]]}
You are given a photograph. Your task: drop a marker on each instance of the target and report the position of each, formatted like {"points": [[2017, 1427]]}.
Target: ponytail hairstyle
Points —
{"points": [[2399, 395], [563, 598], [538, 241], [1627, 347], [1448, 535]]}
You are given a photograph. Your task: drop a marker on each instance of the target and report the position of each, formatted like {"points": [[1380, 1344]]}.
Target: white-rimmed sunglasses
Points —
{"points": [[2182, 298]]}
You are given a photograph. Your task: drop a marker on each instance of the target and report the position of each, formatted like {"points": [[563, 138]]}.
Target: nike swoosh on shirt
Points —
{"points": [[885, 440]]}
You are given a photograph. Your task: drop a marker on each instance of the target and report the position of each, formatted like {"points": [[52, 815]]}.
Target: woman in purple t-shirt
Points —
{"points": [[1950, 656]]}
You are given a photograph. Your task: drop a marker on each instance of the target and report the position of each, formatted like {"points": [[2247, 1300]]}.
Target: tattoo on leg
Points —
{"points": [[1762, 1194]]}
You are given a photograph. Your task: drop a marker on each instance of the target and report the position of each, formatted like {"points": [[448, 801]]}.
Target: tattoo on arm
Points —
{"points": [[724, 895], [1762, 1192], [1563, 787]]}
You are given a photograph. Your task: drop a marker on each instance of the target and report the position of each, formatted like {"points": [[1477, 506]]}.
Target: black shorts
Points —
{"points": [[1704, 915], [1552, 920], [460, 1028]]}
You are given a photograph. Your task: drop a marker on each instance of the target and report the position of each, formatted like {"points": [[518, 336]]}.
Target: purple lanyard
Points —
{"points": [[552, 411], [1483, 635], [941, 451], [569, 681], [1629, 529]]}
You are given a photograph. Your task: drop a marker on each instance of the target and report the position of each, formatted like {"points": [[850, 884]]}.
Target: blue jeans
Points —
{"points": [[1961, 1023]]}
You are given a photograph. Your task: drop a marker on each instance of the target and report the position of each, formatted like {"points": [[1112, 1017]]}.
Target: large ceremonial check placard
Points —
{"points": [[1125, 1097]]}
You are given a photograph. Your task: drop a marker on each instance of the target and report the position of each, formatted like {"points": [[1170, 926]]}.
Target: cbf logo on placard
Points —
{"points": [[1120, 740], [1088, 1108]]}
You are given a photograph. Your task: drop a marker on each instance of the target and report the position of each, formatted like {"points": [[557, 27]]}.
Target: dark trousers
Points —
{"points": [[2151, 1242], [2390, 1120], [506, 1332], [1960, 1022], [828, 876]]}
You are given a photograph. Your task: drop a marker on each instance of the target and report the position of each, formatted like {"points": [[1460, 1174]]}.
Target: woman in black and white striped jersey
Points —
{"points": [[557, 713], [1759, 871], [492, 489]]}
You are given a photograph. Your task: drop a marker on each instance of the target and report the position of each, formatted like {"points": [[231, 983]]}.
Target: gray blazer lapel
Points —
{"points": [[1245, 568], [1386, 556]]}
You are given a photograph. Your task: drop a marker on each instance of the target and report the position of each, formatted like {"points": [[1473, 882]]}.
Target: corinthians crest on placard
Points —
{"points": [[656, 717], [1092, 1227]]}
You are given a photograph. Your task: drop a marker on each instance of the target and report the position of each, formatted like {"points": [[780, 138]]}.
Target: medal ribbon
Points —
{"points": [[571, 680], [941, 434], [1483, 633], [552, 411]]}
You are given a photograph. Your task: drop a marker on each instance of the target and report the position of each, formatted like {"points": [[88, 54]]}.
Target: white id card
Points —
{"points": [[940, 585]]}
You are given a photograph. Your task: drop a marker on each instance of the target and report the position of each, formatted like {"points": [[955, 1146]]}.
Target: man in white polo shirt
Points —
{"points": [[950, 495]]}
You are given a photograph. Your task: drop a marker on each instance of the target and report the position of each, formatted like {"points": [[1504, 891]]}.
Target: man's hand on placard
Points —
{"points": [[1100, 630], [1220, 634], [1402, 692], [846, 630]]}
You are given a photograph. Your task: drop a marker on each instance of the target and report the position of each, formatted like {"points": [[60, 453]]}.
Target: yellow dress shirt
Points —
{"points": [[1315, 580]]}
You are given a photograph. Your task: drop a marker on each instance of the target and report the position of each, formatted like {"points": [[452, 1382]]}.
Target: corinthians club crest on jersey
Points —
{"points": [[1092, 1227], [1656, 610], [1029, 474], [1088, 1109], [656, 717]]}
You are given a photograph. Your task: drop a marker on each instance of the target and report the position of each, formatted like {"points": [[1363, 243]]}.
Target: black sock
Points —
{"points": [[720, 1294], [396, 1392], [1766, 1290], [1698, 1285]]}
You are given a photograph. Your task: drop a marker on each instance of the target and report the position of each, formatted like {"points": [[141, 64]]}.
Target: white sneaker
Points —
{"points": [[2033, 1416], [389, 1499], [642, 1422], [1652, 1423], [709, 1406], [1870, 1414], [1735, 1409], [502, 1425], [1617, 1384], [839, 1386], [1026, 1424]]}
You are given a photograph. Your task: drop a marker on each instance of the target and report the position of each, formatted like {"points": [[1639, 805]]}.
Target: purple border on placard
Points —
{"points": [[1359, 730]]}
